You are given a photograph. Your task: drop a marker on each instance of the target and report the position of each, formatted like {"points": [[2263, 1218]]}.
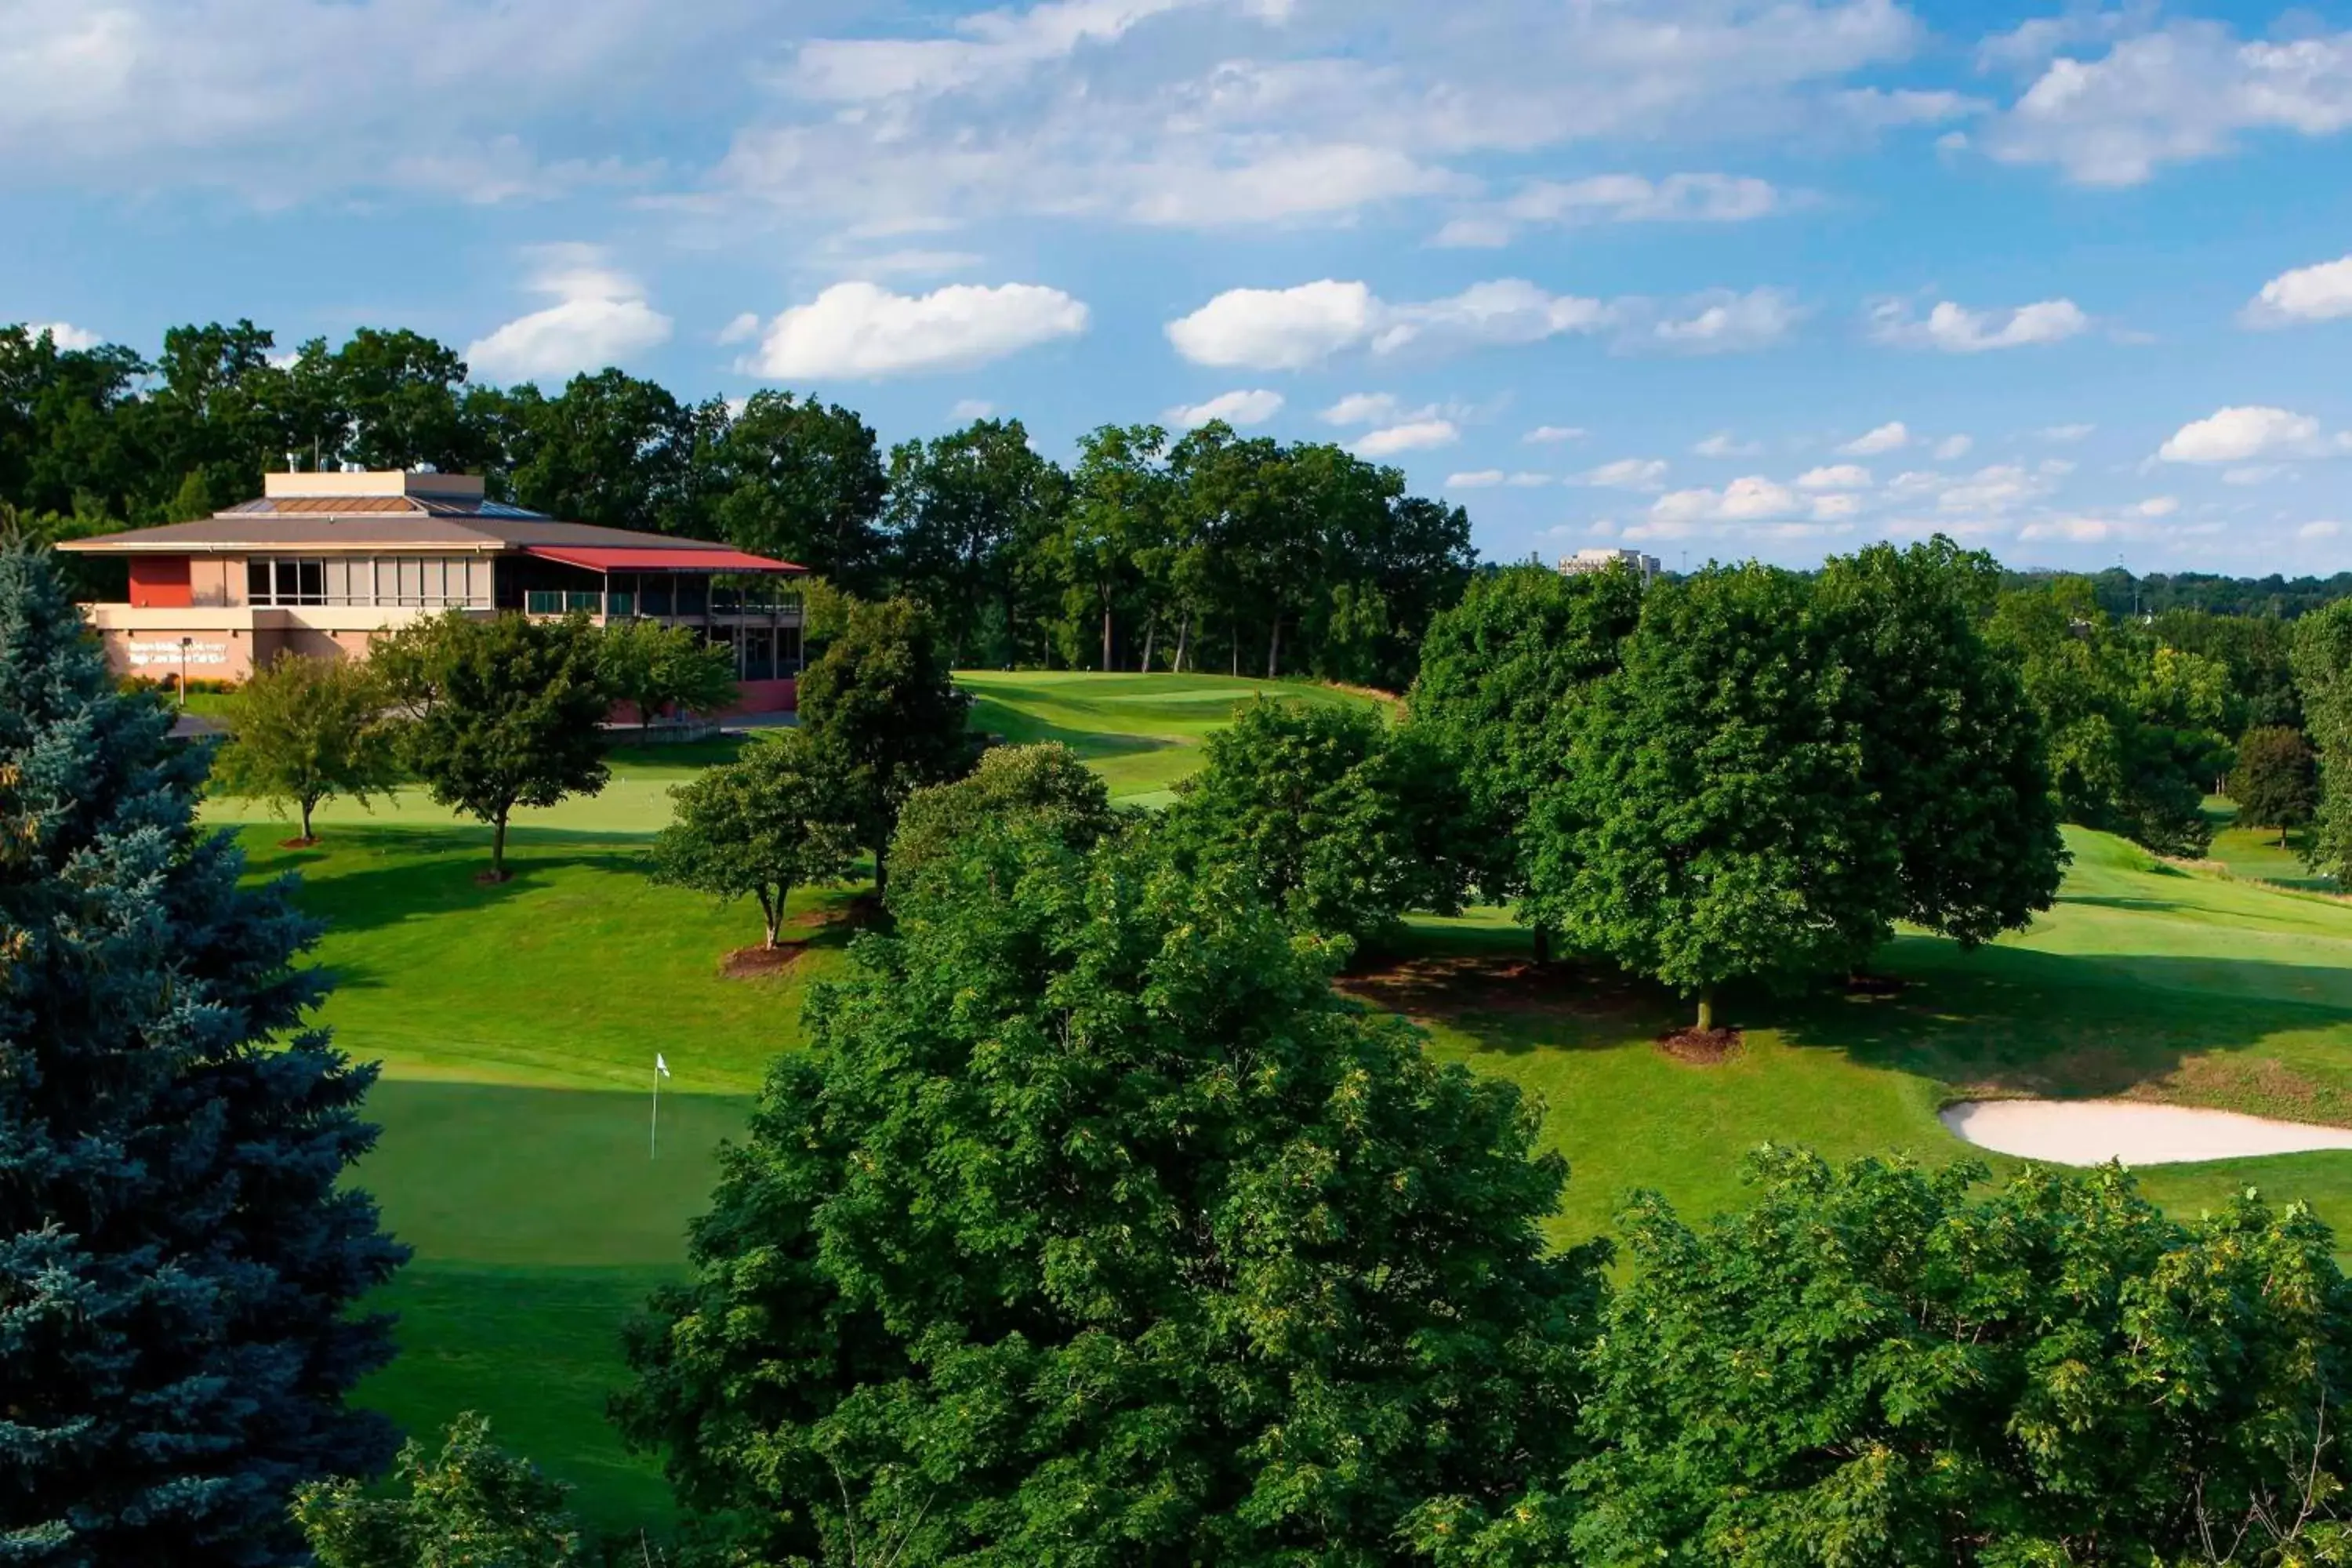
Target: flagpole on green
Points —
{"points": [[653, 1128]]}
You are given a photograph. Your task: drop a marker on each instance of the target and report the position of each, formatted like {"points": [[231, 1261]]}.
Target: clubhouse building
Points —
{"points": [[321, 564]]}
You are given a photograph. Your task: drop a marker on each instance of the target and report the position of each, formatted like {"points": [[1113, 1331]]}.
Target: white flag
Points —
{"points": [[660, 1066]]}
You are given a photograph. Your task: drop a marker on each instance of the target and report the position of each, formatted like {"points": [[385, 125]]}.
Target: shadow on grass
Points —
{"points": [[355, 886], [1015, 728]]}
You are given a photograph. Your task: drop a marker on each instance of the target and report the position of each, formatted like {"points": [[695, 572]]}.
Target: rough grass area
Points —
{"points": [[517, 1025]]}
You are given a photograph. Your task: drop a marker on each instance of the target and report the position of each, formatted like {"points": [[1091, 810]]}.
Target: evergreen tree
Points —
{"points": [[179, 1255]]}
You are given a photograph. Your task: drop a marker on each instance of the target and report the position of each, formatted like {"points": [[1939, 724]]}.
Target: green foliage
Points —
{"points": [[662, 667], [180, 1258], [505, 713], [2277, 781], [1953, 757], [782, 816], [1499, 673], [615, 450], [469, 1506], [970, 514], [1094, 1226], [803, 481], [1869, 1366], [1326, 815], [1715, 820], [305, 730], [1045, 784], [2323, 669], [882, 699]]}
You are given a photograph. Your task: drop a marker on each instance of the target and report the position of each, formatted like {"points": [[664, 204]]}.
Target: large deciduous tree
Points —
{"points": [[2323, 672], [658, 668], [803, 481], [1045, 784], [470, 1506], [1325, 814], [1870, 1365], [781, 815], [180, 1258], [2277, 781], [506, 713], [305, 730], [970, 512], [1095, 1228], [1500, 672], [882, 699]]}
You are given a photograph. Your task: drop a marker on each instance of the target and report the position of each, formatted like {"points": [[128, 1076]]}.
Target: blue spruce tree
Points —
{"points": [[178, 1257]]}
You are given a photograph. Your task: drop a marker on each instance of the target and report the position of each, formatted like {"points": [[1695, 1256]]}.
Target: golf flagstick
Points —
{"points": [[653, 1128]]}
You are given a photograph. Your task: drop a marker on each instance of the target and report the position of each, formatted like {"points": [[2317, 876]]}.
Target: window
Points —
{"points": [[286, 581]]}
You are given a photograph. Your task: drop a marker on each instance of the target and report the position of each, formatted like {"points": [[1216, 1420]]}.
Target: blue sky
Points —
{"points": [[1720, 277]]}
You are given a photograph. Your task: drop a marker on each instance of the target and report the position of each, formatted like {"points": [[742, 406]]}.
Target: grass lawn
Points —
{"points": [[517, 1025]]}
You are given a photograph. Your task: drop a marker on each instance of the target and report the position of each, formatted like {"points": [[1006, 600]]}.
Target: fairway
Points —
{"points": [[518, 1027]]}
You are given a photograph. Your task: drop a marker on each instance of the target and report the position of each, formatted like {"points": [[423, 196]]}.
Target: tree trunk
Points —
{"points": [[1183, 640], [498, 846], [1543, 943], [1273, 650], [1150, 636], [772, 913], [1107, 664], [1233, 635], [1706, 1010], [307, 803]]}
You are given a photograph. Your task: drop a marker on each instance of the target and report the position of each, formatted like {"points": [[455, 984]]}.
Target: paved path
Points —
{"points": [[2093, 1131]]}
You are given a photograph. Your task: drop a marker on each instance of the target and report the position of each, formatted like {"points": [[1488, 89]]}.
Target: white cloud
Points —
{"points": [[68, 337], [1748, 499], [1616, 198], [2323, 529], [1364, 408], [1728, 322], [1527, 480], [600, 317], [741, 329], [2254, 473], [1478, 480], [1957, 330], [997, 44], [2066, 434], [1627, 474], [1836, 477], [1723, 443], [2240, 434], [968, 409], [2184, 90], [1420, 435], [2158, 506], [1297, 328], [1952, 448], [1552, 435], [860, 331], [1253, 407], [2321, 293], [1891, 436]]}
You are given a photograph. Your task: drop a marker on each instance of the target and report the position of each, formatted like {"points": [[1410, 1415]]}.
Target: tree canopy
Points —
{"points": [[1093, 1226], [305, 730], [469, 1506], [1045, 784], [781, 815], [2277, 781], [182, 1258], [659, 668]]}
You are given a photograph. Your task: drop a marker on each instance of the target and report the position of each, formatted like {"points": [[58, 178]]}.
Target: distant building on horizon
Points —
{"points": [[1585, 561], [322, 563]]}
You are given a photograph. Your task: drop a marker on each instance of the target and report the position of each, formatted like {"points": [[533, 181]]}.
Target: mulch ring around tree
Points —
{"points": [[298, 843], [1701, 1048], [751, 963]]}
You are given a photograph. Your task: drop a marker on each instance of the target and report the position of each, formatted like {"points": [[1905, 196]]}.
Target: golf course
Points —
{"points": [[517, 1025]]}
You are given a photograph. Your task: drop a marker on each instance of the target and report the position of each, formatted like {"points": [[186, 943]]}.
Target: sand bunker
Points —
{"points": [[2093, 1131]]}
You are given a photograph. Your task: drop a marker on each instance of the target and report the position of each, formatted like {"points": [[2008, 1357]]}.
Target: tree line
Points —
{"points": [[1201, 551]]}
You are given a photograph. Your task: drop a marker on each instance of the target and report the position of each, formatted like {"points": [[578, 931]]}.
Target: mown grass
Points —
{"points": [[518, 1024]]}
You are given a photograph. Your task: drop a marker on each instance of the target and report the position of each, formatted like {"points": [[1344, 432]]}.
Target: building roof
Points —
{"points": [[412, 512]]}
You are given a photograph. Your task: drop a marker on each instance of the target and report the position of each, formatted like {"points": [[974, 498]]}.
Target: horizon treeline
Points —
{"points": [[1196, 550]]}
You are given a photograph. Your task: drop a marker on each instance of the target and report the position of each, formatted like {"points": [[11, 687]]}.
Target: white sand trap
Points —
{"points": [[2093, 1131]]}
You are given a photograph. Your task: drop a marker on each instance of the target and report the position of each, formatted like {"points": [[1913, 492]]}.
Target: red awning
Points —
{"points": [[609, 558]]}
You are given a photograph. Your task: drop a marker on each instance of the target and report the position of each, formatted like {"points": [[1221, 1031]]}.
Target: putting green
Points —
{"points": [[518, 1027]]}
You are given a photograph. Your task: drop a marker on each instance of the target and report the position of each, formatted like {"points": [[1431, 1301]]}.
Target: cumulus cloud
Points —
{"points": [[1364, 408], [1298, 328], [1616, 198], [1952, 448], [2185, 90], [1417, 435], [1552, 435], [968, 409], [1954, 328], [1836, 477], [1253, 407], [2066, 434], [2321, 293], [600, 317], [1476, 480], [68, 337], [1891, 436], [1748, 499], [2240, 435], [862, 330], [1627, 474], [1723, 443], [1724, 322]]}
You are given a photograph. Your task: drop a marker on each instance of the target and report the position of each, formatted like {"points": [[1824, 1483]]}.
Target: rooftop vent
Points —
{"points": [[394, 482]]}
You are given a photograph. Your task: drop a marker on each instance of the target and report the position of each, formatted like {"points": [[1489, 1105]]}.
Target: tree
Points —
{"points": [[970, 512], [1713, 822], [618, 451], [657, 666], [305, 730], [1870, 1367], [182, 1258], [1499, 673], [1045, 784], [469, 1506], [803, 481], [1953, 757], [506, 713], [779, 816], [2323, 673], [881, 698], [1095, 1227], [2277, 781], [1326, 815]]}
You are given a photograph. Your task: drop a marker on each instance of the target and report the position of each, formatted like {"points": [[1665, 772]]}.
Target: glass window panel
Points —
{"points": [[257, 581], [310, 578]]}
